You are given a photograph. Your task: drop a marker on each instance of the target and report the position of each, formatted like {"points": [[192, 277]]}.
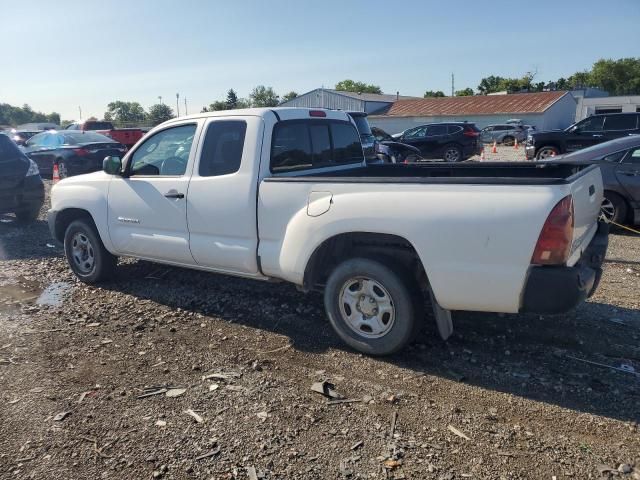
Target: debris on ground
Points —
{"points": [[327, 389]]}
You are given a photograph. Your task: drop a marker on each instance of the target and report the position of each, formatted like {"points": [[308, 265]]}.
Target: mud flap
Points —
{"points": [[443, 318]]}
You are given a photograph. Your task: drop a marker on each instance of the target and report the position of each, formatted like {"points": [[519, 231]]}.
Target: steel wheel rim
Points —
{"points": [[82, 253], [366, 307], [546, 153], [607, 209], [451, 155]]}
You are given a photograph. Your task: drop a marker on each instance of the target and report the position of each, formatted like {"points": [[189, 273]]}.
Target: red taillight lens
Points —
{"points": [[554, 243], [81, 152], [317, 113], [470, 132]]}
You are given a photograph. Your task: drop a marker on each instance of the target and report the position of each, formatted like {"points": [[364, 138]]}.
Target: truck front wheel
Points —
{"points": [[86, 255], [372, 306]]}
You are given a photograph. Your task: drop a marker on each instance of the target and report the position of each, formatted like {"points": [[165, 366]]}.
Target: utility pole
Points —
{"points": [[186, 112], [160, 99], [177, 104], [80, 110], [452, 86]]}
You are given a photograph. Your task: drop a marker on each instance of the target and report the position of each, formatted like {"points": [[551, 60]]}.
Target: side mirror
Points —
{"points": [[112, 165]]}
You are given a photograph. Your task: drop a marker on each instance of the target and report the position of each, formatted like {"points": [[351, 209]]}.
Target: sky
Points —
{"points": [[64, 54]]}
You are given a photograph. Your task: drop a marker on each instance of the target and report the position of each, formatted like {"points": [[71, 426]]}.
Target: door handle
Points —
{"points": [[597, 136], [174, 194]]}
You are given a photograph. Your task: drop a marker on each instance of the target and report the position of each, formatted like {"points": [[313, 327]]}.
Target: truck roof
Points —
{"points": [[284, 113]]}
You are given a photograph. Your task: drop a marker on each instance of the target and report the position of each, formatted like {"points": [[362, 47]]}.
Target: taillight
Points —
{"points": [[81, 152], [317, 113], [554, 243], [470, 132]]}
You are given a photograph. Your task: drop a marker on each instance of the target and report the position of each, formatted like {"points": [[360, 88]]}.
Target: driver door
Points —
{"points": [[589, 131], [148, 205]]}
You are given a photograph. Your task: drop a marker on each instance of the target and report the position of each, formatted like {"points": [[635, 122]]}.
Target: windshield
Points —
{"points": [[363, 124]]}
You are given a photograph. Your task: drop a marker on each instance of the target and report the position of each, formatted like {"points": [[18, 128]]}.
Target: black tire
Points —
{"points": [[406, 305], [452, 153], [28, 214], [546, 152], [85, 252], [508, 141], [614, 207]]}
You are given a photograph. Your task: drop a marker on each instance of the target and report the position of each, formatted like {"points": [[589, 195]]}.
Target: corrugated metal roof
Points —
{"points": [[370, 97], [476, 105]]}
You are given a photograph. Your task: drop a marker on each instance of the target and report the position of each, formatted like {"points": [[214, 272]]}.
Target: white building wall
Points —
{"points": [[589, 106]]}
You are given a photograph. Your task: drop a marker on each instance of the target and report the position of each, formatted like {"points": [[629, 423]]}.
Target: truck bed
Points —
{"points": [[495, 173]]}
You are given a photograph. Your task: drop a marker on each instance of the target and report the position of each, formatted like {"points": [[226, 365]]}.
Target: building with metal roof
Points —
{"points": [[544, 110], [348, 101]]}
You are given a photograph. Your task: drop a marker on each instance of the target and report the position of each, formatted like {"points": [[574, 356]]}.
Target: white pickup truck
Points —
{"points": [[284, 194]]}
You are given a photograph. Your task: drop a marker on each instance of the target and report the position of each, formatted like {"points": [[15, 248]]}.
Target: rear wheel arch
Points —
{"points": [[388, 248]]}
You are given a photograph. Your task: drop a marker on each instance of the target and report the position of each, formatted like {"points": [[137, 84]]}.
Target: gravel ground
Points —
{"points": [[507, 397], [503, 154]]}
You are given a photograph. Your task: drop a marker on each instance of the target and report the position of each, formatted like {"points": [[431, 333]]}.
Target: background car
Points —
{"points": [[592, 130], [619, 162], [21, 136], [21, 188], [506, 134], [75, 152], [451, 141], [391, 151]]}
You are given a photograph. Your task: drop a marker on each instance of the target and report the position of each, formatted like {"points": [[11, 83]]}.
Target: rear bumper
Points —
{"points": [[29, 194], [559, 289], [530, 152]]}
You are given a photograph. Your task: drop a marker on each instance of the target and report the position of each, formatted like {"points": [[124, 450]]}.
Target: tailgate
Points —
{"points": [[587, 192]]}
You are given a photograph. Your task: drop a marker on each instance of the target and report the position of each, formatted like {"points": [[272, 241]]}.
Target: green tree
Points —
{"points": [[232, 99], [618, 77], [65, 123], [467, 92], [159, 113], [289, 96], [357, 87], [432, 94], [125, 112], [10, 115], [262, 96], [561, 84], [491, 84]]}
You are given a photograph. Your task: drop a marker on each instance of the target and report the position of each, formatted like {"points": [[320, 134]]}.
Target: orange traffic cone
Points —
{"points": [[494, 149], [56, 173], [515, 145], [482, 158]]}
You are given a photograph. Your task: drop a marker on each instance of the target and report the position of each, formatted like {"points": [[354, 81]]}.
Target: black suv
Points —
{"points": [[590, 131], [451, 141], [21, 188]]}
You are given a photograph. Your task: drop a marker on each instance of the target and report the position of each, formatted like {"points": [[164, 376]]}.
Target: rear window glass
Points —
{"points": [[363, 124], [98, 126], [301, 144], [222, 149], [457, 129]]}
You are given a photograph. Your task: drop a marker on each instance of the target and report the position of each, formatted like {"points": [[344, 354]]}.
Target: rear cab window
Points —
{"points": [[308, 144]]}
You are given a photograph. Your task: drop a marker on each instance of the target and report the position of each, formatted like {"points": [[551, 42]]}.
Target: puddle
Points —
{"points": [[21, 291], [53, 294]]}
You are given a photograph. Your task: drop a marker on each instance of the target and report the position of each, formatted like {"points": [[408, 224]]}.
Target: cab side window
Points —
{"points": [[591, 124], [164, 153], [222, 149]]}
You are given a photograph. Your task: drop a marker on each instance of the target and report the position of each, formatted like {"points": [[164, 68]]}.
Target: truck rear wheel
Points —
{"points": [[85, 252], [372, 306]]}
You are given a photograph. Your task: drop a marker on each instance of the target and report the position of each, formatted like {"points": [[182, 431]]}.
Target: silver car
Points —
{"points": [[506, 134]]}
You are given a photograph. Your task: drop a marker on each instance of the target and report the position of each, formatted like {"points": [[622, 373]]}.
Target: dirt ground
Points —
{"points": [[507, 397]]}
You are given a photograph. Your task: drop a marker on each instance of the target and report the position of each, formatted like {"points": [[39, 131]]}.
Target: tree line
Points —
{"points": [[618, 77], [10, 115]]}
